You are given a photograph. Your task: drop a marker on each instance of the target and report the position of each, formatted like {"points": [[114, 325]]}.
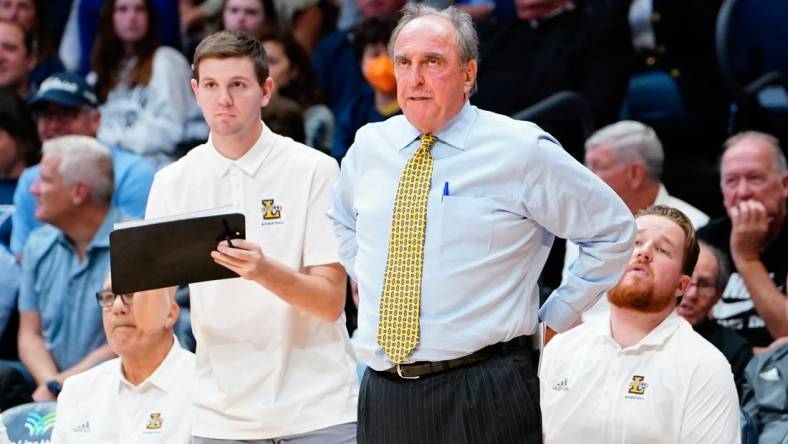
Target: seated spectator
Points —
{"points": [[19, 147], [708, 282], [9, 276], [33, 16], [552, 46], [765, 398], [375, 104], [65, 105], [256, 17], [294, 78], [643, 375], [16, 58], [65, 263], [143, 395], [147, 105], [76, 48], [338, 67], [628, 156], [754, 234], [284, 117], [307, 20]]}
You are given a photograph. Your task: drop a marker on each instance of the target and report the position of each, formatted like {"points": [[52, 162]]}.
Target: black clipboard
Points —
{"points": [[173, 252]]}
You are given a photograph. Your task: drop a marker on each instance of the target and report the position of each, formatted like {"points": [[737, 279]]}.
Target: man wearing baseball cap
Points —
{"points": [[66, 105]]}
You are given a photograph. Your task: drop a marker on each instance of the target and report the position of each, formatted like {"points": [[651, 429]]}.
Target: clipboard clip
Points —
{"points": [[227, 233]]}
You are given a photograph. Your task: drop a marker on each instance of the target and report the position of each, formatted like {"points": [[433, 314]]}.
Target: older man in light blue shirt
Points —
{"points": [[500, 191]]}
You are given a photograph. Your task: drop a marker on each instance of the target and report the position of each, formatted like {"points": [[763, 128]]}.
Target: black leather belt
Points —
{"points": [[419, 369]]}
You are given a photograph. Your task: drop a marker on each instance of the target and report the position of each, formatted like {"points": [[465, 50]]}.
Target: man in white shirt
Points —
{"points": [[628, 156], [144, 395], [643, 375], [273, 353]]}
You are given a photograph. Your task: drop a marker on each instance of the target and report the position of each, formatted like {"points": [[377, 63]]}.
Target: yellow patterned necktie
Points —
{"points": [[398, 328]]}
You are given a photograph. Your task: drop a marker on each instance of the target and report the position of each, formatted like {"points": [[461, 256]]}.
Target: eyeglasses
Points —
{"points": [[106, 298], [703, 284]]}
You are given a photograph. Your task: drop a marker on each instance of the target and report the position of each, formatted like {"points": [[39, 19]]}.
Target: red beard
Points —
{"points": [[633, 293]]}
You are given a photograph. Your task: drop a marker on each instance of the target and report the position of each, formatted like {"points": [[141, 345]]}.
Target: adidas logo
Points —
{"points": [[562, 386], [771, 375], [83, 428]]}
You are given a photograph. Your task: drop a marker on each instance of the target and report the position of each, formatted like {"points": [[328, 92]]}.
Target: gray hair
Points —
{"points": [[84, 159], [467, 39], [723, 269], [632, 141], [779, 158]]}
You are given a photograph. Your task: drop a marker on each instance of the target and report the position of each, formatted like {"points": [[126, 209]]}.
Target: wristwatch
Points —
{"points": [[54, 387]]}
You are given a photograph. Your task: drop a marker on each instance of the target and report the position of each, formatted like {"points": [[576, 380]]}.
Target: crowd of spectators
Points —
{"points": [[95, 97]]}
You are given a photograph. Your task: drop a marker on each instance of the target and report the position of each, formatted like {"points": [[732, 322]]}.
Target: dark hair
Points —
{"points": [[108, 51], [373, 30], [17, 121], [271, 19], [691, 248], [27, 37], [286, 117], [43, 45], [226, 44], [303, 87]]}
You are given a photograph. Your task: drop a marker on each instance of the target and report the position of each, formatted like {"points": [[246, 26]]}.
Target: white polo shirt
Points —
{"points": [[671, 387], [101, 406], [264, 368]]}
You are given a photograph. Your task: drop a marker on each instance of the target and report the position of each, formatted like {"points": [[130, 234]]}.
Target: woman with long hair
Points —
{"points": [[294, 78], [147, 103]]}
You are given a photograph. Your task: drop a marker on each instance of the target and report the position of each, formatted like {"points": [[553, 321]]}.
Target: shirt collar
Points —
{"points": [[250, 162], [655, 338], [454, 133], [162, 378]]}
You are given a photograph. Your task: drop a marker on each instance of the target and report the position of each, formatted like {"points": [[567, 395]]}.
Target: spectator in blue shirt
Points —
{"points": [[66, 105], [65, 263]]}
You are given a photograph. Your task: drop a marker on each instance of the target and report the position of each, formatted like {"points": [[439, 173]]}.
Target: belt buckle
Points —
{"points": [[399, 373]]}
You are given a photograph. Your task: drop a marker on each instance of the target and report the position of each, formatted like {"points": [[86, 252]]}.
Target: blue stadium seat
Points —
{"points": [[30, 423], [751, 50]]}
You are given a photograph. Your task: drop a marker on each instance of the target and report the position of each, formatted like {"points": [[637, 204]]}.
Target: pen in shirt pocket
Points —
{"points": [[445, 190]]}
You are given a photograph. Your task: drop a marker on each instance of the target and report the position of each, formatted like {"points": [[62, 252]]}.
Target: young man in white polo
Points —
{"points": [[273, 354], [643, 374]]}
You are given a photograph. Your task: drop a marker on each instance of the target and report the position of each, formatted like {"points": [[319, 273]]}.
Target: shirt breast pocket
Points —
{"points": [[466, 231]]}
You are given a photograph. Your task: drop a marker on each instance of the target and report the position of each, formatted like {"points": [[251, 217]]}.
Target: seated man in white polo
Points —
{"points": [[641, 375], [145, 395]]}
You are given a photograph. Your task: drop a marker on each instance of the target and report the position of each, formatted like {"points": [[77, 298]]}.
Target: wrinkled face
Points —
{"points": [[130, 19], [54, 200], [702, 293], [15, 62], [747, 173], [244, 15], [369, 8], [432, 83], [136, 328], [54, 121], [278, 63], [601, 160], [19, 11], [653, 279], [535, 9], [230, 96]]}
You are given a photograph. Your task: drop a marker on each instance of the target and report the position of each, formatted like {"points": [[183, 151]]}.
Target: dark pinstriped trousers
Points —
{"points": [[492, 401]]}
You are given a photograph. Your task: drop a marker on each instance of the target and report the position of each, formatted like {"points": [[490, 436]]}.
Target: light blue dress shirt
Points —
{"points": [[511, 190], [133, 178], [9, 286], [63, 290]]}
